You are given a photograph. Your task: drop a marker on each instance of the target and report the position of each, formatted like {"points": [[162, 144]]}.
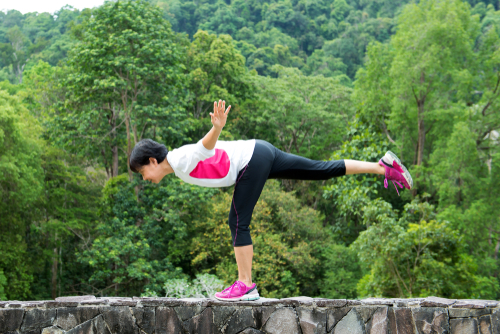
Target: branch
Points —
{"points": [[107, 134], [384, 127]]}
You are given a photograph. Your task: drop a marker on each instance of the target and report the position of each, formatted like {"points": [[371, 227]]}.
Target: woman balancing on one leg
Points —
{"points": [[247, 164]]}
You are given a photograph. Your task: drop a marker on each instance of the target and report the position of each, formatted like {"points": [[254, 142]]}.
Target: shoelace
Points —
{"points": [[386, 184], [237, 283]]}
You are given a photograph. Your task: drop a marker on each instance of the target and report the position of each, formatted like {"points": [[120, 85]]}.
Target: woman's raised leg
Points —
{"points": [[359, 167]]}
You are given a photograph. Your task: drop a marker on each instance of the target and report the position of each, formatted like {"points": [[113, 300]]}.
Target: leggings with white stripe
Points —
{"points": [[268, 162]]}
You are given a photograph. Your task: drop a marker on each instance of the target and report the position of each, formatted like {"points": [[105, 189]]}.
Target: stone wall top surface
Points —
{"points": [[296, 315], [74, 301]]}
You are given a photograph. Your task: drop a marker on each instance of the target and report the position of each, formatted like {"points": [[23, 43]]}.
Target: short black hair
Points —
{"points": [[145, 149]]}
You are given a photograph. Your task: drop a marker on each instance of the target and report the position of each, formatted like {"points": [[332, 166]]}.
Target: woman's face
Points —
{"points": [[151, 172]]}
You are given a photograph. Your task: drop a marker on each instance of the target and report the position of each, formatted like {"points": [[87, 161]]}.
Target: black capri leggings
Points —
{"points": [[268, 162]]}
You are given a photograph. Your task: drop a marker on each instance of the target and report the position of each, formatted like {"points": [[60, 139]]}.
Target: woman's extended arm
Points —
{"points": [[218, 118]]}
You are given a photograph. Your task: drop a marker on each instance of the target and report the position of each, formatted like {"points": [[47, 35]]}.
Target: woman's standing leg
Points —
{"points": [[247, 190], [244, 257]]}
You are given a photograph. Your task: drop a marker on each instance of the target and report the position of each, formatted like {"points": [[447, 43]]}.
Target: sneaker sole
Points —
{"points": [[391, 157], [243, 298]]}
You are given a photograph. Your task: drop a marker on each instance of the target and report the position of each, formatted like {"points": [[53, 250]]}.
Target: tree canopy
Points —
{"points": [[328, 79]]}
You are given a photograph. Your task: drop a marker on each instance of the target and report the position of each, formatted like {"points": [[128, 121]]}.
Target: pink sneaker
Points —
{"points": [[395, 171], [238, 291]]}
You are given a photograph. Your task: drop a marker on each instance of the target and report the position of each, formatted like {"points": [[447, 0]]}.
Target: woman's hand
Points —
{"points": [[219, 117]]}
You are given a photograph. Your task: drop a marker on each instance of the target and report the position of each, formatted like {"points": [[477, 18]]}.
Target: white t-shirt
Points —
{"points": [[216, 168]]}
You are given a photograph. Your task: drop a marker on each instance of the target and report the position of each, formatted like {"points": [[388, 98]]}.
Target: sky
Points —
{"points": [[26, 6]]}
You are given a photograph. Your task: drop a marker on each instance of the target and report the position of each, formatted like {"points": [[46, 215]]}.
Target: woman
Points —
{"points": [[247, 164]]}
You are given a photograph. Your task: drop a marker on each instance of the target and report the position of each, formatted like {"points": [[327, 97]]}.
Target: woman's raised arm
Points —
{"points": [[218, 118]]}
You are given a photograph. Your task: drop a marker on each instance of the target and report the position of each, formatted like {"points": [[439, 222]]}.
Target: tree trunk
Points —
{"points": [[421, 139], [114, 147], [114, 150], [129, 148], [54, 274]]}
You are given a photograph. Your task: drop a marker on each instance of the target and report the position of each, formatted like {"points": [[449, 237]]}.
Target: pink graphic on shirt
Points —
{"points": [[216, 167]]}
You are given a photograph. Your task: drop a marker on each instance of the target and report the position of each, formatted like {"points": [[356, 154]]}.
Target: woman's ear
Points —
{"points": [[153, 161]]}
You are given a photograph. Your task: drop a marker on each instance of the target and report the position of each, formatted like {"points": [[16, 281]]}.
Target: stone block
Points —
{"points": [[401, 321], [334, 316], [99, 325], [485, 325], [467, 313], [187, 312], [282, 321], [322, 302], [122, 302], [15, 304], [379, 322], [353, 302], [194, 301], [392, 321], [297, 301], [407, 302], [167, 321], [252, 331], [437, 302], [10, 319], [119, 319], [54, 304], [53, 330], [312, 321], [145, 318], [240, 320], [366, 312], [475, 303], [166, 302], [75, 298], [37, 319], [69, 317], [84, 328], [221, 315], [495, 321], [352, 323], [378, 301], [431, 320], [94, 302], [464, 326], [200, 324], [262, 314], [33, 303]]}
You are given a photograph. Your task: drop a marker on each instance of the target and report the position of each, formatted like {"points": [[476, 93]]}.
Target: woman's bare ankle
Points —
{"points": [[246, 282]]}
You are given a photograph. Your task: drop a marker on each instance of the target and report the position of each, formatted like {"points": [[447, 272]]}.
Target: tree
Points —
{"points": [[342, 272], [415, 255], [427, 63], [300, 114], [18, 51], [139, 244], [216, 71], [125, 72], [21, 183], [68, 214]]}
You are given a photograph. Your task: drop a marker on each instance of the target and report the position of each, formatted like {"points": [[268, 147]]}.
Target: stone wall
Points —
{"points": [[299, 315]]}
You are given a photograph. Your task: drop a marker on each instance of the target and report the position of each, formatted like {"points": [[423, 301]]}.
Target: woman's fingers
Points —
{"points": [[219, 108]]}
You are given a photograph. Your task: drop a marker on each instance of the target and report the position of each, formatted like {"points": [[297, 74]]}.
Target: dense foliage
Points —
{"points": [[328, 79]]}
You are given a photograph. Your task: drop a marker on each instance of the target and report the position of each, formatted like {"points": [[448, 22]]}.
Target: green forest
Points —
{"points": [[324, 79]]}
